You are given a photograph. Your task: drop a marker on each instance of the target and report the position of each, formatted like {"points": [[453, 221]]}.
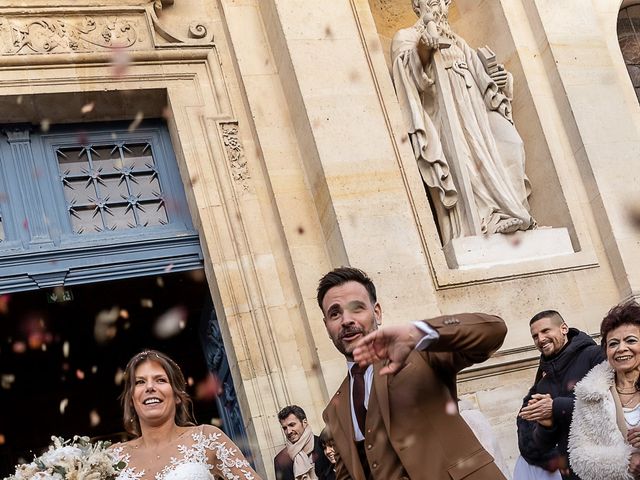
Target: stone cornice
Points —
{"points": [[32, 29]]}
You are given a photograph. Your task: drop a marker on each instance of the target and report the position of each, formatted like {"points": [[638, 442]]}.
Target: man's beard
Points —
{"points": [[347, 350]]}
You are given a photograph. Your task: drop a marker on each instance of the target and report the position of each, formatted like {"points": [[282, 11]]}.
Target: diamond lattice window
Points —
{"points": [[629, 39], [111, 187]]}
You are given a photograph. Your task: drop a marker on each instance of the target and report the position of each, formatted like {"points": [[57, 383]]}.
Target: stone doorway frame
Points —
{"points": [[182, 80]]}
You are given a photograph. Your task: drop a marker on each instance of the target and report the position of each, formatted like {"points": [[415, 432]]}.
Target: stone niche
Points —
{"points": [[480, 24]]}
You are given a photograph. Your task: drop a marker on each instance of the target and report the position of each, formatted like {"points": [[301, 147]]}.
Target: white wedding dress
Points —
{"points": [[208, 454]]}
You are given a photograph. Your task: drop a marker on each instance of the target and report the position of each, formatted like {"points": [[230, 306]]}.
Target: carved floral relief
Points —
{"points": [[28, 35], [235, 154]]}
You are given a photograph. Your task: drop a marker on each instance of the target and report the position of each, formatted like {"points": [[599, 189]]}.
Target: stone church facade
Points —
{"points": [[292, 154]]}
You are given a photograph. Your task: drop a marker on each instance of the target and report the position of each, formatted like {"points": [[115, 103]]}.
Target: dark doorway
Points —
{"points": [[62, 352]]}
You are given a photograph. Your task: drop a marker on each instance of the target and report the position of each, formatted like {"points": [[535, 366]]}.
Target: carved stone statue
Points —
{"points": [[456, 105]]}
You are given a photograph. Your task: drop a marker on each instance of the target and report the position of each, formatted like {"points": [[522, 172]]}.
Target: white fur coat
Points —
{"points": [[597, 448]]}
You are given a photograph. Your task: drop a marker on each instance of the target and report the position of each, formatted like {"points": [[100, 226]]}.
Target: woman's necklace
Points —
{"points": [[628, 402], [627, 391]]}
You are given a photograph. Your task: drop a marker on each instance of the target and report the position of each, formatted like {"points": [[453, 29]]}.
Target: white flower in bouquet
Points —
{"points": [[76, 459]]}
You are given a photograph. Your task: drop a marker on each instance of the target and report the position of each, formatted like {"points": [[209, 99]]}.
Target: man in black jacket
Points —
{"points": [[301, 443], [545, 417]]}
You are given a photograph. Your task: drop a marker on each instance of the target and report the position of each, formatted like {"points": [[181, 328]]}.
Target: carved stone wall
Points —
{"points": [[24, 35]]}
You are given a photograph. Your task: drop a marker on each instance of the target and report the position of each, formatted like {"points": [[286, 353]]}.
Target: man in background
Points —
{"points": [[567, 354], [302, 458]]}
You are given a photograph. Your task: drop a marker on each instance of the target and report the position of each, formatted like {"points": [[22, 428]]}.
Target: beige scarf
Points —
{"points": [[300, 452]]}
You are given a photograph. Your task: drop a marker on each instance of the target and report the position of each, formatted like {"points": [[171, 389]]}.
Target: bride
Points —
{"points": [[168, 445]]}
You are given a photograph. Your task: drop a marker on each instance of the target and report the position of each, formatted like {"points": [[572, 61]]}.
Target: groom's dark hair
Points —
{"points": [[342, 275]]}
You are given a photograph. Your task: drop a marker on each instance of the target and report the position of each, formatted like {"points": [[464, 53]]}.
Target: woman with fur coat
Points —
{"points": [[604, 440]]}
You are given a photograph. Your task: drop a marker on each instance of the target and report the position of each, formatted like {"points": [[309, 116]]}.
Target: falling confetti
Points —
{"points": [[171, 322], [197, 276], [94, 369], [105, 329], [146, 303], [119, 377], [634, 215], [136, 121], [514, 239], [45, 124], [4, 303], [451, 408], [79, 374], [35, 330], [209, 388], [216, 422], [168, 268], [160, 282], [94, 418], [19, 347], [87, 107], [6, 380], [65, 349], [82, 138], [63, 405], [120, 61]]}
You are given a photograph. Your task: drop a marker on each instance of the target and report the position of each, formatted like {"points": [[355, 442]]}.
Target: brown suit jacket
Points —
{"points": [[413, 428]]}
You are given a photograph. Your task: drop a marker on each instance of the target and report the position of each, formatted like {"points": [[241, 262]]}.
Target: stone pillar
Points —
{"points": [[337, 79]]}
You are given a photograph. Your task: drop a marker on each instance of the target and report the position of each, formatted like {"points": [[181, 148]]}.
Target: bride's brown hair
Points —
{"points": [[184, 406]]}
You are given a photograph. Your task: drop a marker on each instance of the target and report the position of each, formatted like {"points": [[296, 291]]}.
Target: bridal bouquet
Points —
{"points": [[76, 459]]}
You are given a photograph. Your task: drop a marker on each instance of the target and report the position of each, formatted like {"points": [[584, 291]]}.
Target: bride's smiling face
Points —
{"points": [[153, 397]]}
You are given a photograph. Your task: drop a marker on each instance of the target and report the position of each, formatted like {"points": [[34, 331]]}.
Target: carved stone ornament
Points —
{"points": [[73, 33], [49, 30], [197, 35], [235, 154]]}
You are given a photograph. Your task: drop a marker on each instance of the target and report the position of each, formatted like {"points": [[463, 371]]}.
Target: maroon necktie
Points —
{"points": [[357, 373]]}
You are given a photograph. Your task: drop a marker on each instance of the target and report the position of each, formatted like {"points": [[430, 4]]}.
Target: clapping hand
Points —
{"points": [[539, 409], [393, 343], [633, 437]]}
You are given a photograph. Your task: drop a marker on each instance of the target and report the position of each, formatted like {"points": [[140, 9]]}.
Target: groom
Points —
{"points": [[395, 415]]}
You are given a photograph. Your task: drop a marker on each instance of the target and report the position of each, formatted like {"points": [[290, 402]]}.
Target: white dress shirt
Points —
{"points": [[430, 336]]}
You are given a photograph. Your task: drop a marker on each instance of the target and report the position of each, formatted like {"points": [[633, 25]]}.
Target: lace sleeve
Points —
{"points": [[127, 473], [226, 458]]}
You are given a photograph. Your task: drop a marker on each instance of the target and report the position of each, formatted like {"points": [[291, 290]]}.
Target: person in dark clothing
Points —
{"points": [[303, 449], [544, 419], [328, 447]]}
